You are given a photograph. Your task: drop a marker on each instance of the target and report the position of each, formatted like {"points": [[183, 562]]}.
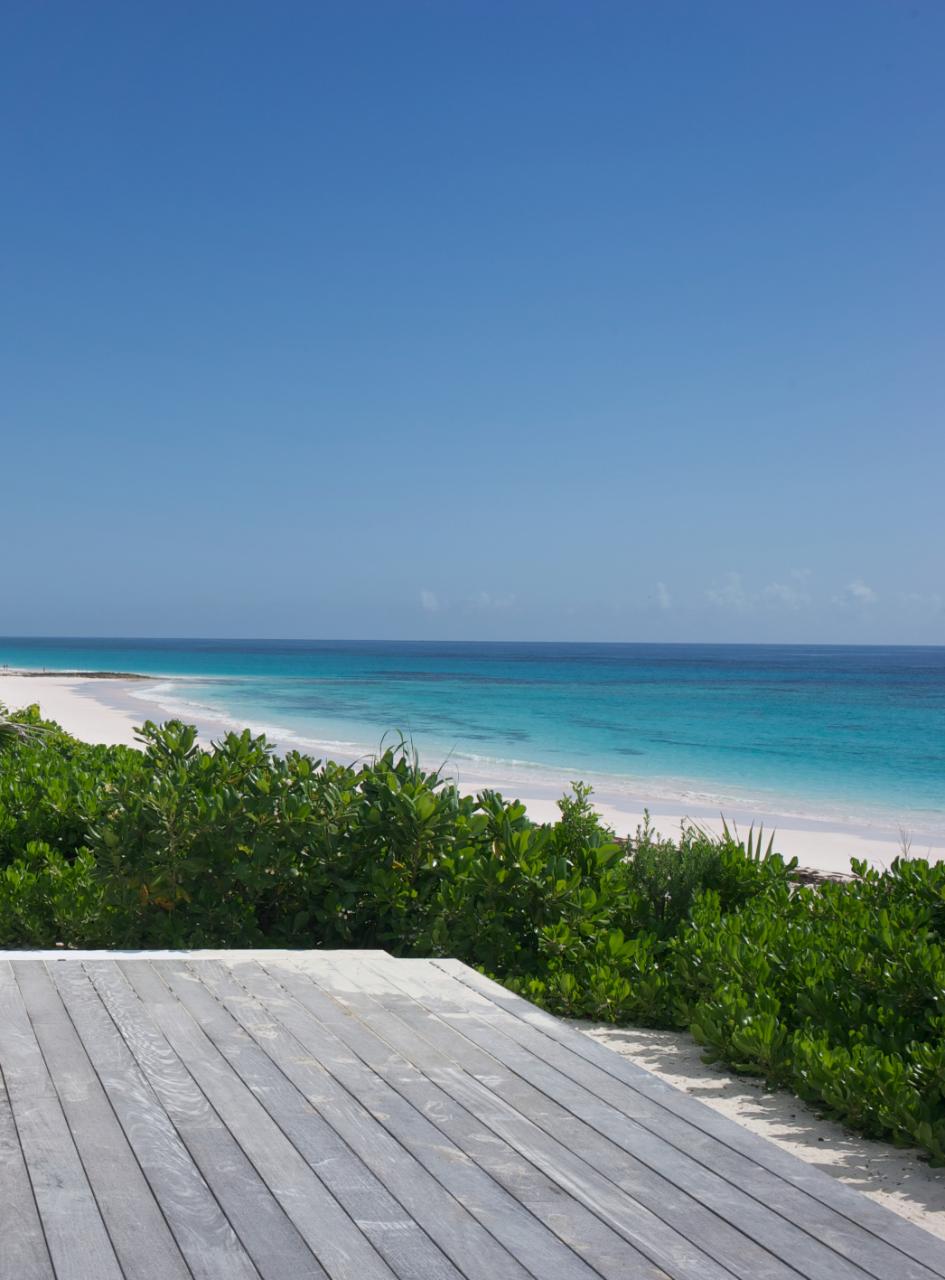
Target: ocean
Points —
{"points": [[840, 734]]}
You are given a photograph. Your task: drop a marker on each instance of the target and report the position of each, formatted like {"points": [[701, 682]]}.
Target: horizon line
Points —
{"points": [[705, 644]]}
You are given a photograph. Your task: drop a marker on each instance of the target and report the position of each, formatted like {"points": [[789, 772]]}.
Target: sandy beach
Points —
{"points": [[108, 710], [70, 701]]}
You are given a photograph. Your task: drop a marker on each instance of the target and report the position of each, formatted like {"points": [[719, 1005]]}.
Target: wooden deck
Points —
{"points": [[286, 1115]]}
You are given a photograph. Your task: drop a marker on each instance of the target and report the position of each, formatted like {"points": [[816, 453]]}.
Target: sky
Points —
{"points": [[523, 320]]}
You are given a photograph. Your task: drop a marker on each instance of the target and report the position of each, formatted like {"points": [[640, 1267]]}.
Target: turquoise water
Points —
{"points": [[818, 731]]}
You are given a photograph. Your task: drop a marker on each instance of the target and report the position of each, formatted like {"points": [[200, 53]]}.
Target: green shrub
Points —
{"points": [[837, 991], [47, 901]]}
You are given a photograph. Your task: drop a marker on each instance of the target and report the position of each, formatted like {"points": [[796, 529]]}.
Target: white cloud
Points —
{"points": [[663, 597], [730, 593], [856, 592], [487, 600], [429, 601], [792, 594], [927, 601]]}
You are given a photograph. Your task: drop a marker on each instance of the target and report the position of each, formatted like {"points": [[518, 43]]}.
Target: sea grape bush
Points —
{"points": [[836, 991]]}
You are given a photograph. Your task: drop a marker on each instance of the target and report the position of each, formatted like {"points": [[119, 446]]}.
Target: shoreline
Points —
{"points": [[105, 707]]}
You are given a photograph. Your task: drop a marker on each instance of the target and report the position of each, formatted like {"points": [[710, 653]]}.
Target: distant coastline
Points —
{"points": [[76, 675]]}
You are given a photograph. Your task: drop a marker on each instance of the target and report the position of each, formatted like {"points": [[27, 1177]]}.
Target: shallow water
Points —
{"points": [[825, 732]]}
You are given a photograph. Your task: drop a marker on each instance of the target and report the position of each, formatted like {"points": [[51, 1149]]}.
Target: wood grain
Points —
{"points": [[75, 1234], [347, 1116]]}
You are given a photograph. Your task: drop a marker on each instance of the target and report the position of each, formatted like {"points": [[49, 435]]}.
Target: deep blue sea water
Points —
{"points": [[821, 731]]}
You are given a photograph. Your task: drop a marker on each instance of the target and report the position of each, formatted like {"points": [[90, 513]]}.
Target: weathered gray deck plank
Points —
{"points": [[604, 1225], [290, 1179], [513, 1243], [825, 1208], [23, 1252], [223, 1212], [346, 1116], [618, 1187], [136, 1226], [611, 1255], [770, 1211], [141, 1084], [344, 1211], [78, 1243]]}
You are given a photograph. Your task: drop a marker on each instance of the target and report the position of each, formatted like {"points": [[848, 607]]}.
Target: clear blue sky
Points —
{"points": [[616, 321]]}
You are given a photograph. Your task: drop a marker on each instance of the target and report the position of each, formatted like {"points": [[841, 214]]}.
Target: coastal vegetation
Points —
{"points": [[836, 990]]}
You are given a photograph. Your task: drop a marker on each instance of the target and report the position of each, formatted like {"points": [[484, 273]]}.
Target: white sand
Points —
{"points": [[71, 703], [893, 1176]]}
